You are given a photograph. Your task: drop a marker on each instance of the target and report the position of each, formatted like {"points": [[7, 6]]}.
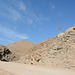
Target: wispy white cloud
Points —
{"points": [[11, 34], [22, 6], [9, 11], [30, 21], [3, 40], [33, 18], [19, 12], [13, 13], [52, 6], [30, 16]]}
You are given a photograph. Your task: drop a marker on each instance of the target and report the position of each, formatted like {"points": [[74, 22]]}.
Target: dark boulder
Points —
{"points": [[4, 51]]}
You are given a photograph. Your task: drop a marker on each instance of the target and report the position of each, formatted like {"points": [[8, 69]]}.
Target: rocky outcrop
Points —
{"points": [[4, 51], [62, 51]]}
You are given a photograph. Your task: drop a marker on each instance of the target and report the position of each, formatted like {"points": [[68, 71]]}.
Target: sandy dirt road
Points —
{"points": [[22, 69]]}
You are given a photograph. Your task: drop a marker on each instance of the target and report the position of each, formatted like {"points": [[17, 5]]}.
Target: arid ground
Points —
{"points": [[9, 68]]}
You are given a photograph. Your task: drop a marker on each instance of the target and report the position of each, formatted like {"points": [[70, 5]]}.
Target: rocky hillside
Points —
{"points": [[60, 53], [36, 51], [21, 49]]}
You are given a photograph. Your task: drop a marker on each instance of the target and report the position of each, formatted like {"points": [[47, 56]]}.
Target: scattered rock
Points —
{"points": [[4, 51]]}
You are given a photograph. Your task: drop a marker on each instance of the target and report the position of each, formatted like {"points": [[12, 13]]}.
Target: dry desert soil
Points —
{"points": [[10, 68]]}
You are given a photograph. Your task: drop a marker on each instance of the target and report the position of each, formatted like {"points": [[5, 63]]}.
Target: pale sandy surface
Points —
{"points": [[9, 68], [3, 72]]}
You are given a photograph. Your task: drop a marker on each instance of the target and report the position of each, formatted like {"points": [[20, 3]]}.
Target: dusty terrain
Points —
{"points": [[8, 68], [3, 72]]}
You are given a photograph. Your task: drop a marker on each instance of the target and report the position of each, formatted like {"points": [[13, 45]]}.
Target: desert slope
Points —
{"points": [[36, 51], [20, 45], [61, 53], [19, 49]]}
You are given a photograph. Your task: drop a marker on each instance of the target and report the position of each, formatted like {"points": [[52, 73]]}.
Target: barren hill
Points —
{"points": [[20, 45], [56, 52], [34, 55], [19, 49], [60, 53]]}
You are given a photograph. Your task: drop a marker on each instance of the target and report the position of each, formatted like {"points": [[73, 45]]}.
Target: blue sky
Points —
{"points": [[34, 20]]}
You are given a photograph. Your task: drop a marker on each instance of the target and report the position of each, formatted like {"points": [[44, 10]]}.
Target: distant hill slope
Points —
{"points": [[19, 49], [20, 45]]}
